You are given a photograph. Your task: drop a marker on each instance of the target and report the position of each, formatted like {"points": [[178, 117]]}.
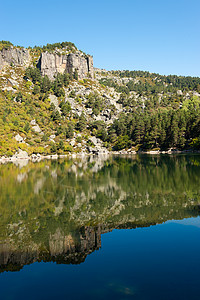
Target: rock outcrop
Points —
{"points": [[15, 56], [62, 249], [51, 63]]}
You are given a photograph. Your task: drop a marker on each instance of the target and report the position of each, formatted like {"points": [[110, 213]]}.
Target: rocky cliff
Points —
{"points": [[15, 56], [52, 63], [62, 249]]}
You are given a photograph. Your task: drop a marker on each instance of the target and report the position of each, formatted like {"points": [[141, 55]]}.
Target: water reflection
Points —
{"points": [[57, 210]]}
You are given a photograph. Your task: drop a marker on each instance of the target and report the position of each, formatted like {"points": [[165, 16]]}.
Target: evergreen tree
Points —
{"points": [[82, 123]]}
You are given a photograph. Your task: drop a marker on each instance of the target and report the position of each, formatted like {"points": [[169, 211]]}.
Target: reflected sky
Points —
{"points": [[190, 221], [158, 262]]}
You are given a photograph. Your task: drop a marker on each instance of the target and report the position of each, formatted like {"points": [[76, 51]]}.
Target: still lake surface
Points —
{"points": [[101, 228]]}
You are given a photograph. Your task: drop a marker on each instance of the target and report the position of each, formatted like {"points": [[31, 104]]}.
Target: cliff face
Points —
{"points": [[15, 56], [62, 249], [51, 63]]}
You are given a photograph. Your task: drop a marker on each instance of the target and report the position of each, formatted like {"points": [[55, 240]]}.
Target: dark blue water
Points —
{"points": [[158, 262]]}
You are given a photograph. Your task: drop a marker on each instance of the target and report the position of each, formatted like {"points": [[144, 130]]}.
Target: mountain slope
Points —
{"points": [[53, 101]]}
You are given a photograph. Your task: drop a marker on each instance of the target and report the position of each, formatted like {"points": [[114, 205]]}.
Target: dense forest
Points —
{"points": [[160, 113], [152, 82]]}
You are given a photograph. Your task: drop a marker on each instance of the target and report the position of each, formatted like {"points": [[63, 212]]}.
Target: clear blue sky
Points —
{"points": [[161, 36]]}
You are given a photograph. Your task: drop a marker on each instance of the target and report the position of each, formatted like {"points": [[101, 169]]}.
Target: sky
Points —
{"points": [[161, 36]]}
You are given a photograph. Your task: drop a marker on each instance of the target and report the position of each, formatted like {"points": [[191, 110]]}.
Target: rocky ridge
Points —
{"points": [[48, 63]]}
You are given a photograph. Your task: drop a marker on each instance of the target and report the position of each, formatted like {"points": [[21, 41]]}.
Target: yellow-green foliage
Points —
{"points": [[5, 45], [17, 109], [193, 103], [195, 143], [28, 84]]}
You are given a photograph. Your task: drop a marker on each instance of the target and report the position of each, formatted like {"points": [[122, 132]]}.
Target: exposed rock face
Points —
{"points": [[75, 252], [62, 249], [15, 56], [15, 259], [50, 64]]}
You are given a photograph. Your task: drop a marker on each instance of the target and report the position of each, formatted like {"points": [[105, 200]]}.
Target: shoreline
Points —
{"points": [[39, 157]]}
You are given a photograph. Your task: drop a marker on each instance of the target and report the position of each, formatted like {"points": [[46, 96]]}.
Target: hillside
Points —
{"points": [[52, 101]]}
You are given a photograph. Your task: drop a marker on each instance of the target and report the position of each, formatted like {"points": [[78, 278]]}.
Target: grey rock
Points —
{"points": [[7, 88], [20, 154], [89, 111], [154, 152], [179, 92], [196, 94], [33, 122], [19, 138], [98, 150], [73, 142], [13, 82], [54, 100], [52, 136], [93, 139], [36, 128], [15, 56], [51, 64], [33, 156], [55, 156]]}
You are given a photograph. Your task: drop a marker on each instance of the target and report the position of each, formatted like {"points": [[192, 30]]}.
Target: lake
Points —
{"points": [[101, 228]]}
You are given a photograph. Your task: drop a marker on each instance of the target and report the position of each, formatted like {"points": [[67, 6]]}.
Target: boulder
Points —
{"points": [[73, 142], [20, 155], [19, 138], [36, 128], [33, 122]]}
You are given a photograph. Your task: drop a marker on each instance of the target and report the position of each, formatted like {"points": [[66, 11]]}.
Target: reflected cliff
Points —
{"points": [[57, 210]]}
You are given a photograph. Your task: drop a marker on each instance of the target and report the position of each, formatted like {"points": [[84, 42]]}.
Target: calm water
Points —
{"points": [[116, 228]]}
